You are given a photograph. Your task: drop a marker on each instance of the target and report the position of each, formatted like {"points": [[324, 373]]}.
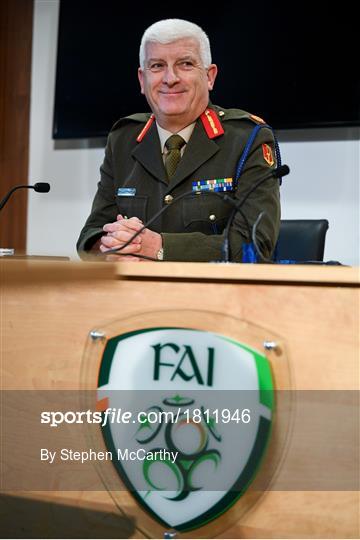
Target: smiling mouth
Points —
{"points": [[172, 93]]}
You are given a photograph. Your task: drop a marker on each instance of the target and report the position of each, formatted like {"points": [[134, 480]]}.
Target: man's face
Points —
{"points": [[175, 82]]}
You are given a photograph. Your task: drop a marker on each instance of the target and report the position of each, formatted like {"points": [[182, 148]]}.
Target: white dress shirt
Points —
{"points": [[164, 135]]}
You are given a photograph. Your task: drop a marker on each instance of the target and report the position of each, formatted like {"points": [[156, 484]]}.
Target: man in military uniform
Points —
{"points": [[151, 159]]}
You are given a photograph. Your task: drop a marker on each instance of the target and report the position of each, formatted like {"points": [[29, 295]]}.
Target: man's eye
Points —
{"points": [[156, 66], [187, 64]]}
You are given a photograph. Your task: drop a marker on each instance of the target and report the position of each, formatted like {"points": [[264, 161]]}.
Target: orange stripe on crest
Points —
{"points": [[102, 404]]}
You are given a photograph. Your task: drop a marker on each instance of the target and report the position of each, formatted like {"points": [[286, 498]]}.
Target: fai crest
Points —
{"points": [[198, 408]]}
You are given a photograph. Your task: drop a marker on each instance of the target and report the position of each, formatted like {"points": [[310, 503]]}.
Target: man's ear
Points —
{"points": [[211, 75], [141, 79]]}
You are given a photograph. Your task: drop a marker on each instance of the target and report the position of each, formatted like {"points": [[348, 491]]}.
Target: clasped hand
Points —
{"points": [[147, 243]]}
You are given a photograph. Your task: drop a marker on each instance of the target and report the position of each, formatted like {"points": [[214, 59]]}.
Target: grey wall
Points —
{"points": [[324, 179]]}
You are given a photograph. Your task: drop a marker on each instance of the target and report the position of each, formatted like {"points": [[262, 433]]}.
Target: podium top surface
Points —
{"points": [[241, 272], [16, 271]]}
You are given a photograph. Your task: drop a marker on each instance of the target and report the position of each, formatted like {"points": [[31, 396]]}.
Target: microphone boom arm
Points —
{"points": [[40, 187]]}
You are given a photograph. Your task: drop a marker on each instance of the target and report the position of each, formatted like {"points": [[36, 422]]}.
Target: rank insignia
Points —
{"points": [[212, 124], [217, 184], [268, 155]]}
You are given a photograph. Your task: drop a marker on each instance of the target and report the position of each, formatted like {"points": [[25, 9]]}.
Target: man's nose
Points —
{"points": [[170, 75]]}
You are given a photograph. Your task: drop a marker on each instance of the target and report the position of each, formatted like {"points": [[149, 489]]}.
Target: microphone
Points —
{"points": [[40, 187], [283, 170], [158, 214], [151, 220], [279, 172]]}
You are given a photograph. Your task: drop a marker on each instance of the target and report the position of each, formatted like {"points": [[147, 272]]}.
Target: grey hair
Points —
{"points": [[170, 30]]}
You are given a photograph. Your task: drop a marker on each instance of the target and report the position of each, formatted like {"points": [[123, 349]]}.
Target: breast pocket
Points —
{"points": [[132, 206], [205, 213]]}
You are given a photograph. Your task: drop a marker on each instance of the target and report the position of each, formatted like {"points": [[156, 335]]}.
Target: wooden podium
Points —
{"points": [[49, 308]]}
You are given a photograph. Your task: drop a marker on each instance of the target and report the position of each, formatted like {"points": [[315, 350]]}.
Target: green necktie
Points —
{"points": [[172, 158]]}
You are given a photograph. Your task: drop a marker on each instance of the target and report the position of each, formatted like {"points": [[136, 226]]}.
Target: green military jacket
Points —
{"points": [[192, 228]]}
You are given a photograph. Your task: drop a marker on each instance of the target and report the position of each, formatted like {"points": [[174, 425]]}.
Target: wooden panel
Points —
{"points": [[15, 73], [319, 325]]}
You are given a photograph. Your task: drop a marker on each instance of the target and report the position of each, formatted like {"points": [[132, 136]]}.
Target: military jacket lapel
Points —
{"points": [[148, 153], [198, 150]]}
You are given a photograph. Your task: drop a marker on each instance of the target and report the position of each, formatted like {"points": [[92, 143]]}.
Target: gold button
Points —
{"points": [[221, 113], [168, 199], [212, 217]]}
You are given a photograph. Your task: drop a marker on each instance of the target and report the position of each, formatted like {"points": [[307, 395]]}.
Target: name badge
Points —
{"points": [[126, 192], [217, 184]]}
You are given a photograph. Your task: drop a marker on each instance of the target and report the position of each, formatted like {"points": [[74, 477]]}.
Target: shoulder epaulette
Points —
{"points": [[237, 114], [256, 119], [138, 118]]}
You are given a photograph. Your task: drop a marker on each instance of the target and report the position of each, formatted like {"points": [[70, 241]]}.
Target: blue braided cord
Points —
{"points": [[277, 152], [249, 253], [247, 149], [278, 161]]}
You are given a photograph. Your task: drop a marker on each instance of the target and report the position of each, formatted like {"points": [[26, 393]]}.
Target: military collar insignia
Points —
{"points": [[211, 123], [146, 128], [209, 119]]}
